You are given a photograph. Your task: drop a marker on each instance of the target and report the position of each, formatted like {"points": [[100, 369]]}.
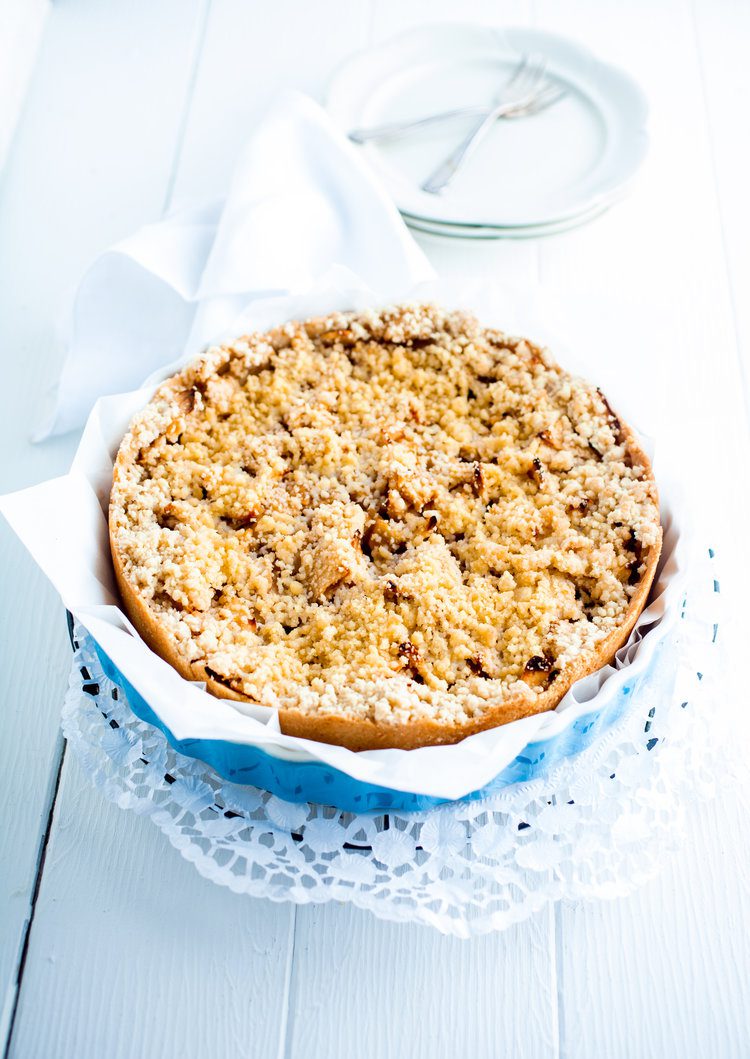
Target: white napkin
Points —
{"points": [[301, 202]]}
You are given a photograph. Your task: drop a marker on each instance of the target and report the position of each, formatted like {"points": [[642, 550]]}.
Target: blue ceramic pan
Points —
{"points": [[312, 781]]}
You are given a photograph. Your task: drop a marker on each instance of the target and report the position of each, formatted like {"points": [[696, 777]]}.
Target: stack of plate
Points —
{"points": [[531, 176]]}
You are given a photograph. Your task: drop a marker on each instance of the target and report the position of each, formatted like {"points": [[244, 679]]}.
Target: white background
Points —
{"points": [[136, 106]]}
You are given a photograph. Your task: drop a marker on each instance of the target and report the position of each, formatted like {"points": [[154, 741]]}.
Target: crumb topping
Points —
{"points": [[392, 515]]}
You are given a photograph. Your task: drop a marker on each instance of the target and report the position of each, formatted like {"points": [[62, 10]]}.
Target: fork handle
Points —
{"points": [[446, 171], [401, 128]]}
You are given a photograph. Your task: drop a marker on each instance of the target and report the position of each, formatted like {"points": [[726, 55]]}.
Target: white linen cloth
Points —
{"points": [[301, 202]]}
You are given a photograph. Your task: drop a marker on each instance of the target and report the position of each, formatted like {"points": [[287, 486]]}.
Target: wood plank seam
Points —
{"points": [[285, 1037], [706, 119], [39, 870], [369, 25], [201, 27], [556, 942]]}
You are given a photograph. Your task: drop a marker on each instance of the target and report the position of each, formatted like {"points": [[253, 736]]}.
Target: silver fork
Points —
{"points": [[525, 89], [395, 129], [401, 128]]}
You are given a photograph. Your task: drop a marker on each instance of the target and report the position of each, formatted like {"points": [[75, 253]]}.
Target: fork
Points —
{"points": [[395, 129], [527, 86], [400, 128]]}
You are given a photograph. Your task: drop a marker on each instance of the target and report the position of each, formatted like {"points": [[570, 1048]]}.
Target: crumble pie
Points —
{"points": [[398, 527]]}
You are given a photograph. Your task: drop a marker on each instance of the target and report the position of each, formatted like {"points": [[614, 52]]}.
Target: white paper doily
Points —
{"points": [[597, 825]]}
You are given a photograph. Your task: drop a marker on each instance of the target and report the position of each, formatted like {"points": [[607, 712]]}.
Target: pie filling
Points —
{"points": [[388, 515]]}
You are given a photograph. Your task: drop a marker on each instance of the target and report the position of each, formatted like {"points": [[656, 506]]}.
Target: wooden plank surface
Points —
{"points": [[722, 31], [361, 987], [661, 973], [134, 955], [652, 290], [21, 25], [252, 53]]}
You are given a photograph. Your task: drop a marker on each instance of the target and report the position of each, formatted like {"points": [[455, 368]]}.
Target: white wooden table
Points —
{"points": [[110, 944]]}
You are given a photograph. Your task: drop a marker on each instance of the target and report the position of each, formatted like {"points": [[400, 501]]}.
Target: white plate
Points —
{"points": [[532, 171], [529, 231]]}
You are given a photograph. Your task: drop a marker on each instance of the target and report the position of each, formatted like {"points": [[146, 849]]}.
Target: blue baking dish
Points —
{"points": [[312, 781]]}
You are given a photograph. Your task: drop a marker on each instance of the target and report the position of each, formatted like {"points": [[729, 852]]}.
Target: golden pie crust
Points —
{"points": [[397, 527]]}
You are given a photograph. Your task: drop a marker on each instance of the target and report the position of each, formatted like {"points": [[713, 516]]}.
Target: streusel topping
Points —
{"points": [[394, 515]]}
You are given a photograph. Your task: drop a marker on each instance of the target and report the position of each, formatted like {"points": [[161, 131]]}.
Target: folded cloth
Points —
{"points": [[301, 202]]}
